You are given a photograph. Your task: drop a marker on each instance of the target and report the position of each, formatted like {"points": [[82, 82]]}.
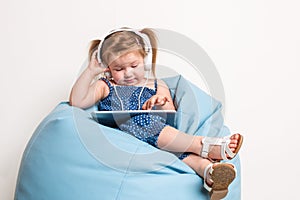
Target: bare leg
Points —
{"points": [[197, 163], [171, 139]]}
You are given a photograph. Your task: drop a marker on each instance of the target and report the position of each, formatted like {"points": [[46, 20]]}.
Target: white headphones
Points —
{"points": [[148, 48]]}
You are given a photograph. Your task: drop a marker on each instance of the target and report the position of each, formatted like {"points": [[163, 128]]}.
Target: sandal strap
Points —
{"points": [[227, 150], [223, 142], [208, 169]]}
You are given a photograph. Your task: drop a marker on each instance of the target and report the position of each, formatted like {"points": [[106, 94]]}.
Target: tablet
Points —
{"points": [[113, 118]]}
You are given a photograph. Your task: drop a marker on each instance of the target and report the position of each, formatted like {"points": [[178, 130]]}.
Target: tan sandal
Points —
{"points": [[226, 153], [222, 174]]}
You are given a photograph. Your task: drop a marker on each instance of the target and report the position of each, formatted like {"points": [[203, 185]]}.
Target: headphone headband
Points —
{"points": [[145, 38]]}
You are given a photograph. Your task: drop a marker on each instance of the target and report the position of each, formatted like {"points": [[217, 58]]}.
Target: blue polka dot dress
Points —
{"points": [[144, 126]]}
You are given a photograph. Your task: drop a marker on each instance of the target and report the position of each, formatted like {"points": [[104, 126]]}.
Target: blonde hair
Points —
{"points": [[122, 42]]}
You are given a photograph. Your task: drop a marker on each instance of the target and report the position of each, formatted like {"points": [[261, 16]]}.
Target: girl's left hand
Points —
{"points": [[156, 100]]}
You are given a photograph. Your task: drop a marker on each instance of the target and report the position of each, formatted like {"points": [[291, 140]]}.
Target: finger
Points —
{"points": [[94, 54], [163, 101], [169, 99], [146, 105], [152, 101], [158, 100], [150, 105]]}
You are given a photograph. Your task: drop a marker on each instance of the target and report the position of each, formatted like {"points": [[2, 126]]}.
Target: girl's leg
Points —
{"points": [[198, 164], [171, 139]]}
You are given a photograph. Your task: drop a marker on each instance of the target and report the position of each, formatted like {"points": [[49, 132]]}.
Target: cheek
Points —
{"points": [[140, 71], [117, 76]]}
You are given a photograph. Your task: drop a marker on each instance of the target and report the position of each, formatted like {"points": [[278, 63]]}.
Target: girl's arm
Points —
{"points": [[85, 93], [162, 99]]}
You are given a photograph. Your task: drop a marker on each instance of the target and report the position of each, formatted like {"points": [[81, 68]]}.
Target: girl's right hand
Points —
{"points": [[156, 100], [95, 66]]}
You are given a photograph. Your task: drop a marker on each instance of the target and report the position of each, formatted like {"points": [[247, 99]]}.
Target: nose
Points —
{"points": [[128, 72]]}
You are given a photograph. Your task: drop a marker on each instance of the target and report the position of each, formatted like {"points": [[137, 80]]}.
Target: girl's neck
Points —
{"points": [[149, 83], [140, 84]]}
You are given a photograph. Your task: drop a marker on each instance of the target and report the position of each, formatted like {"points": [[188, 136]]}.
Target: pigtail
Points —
{"points": [[93, 47], [153, 41]]}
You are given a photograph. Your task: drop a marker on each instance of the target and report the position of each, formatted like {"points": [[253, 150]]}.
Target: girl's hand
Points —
{"points": [[94, 66], [156, 100]]}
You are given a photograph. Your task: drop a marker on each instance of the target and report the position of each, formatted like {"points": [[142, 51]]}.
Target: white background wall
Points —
{"points": [[255, 46]]}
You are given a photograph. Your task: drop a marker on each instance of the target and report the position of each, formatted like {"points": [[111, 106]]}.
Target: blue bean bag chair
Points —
{"points": [[71, 156]]}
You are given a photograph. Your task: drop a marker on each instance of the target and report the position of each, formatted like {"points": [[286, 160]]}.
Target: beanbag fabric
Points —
{"points": [[71, 156]]}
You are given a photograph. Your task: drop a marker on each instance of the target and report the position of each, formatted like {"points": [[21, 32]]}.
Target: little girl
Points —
{"points": [[125, 56]]}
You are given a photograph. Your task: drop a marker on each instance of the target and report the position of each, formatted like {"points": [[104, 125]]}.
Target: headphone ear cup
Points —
{"points": [[148, 62], [108, 74]]}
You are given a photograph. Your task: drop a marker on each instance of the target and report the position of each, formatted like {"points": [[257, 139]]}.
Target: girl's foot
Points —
{"points": [[225, 148], [217, 178]]}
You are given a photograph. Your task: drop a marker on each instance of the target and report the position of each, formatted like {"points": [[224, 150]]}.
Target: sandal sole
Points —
{"points": [[239, 144], [222, 175]]}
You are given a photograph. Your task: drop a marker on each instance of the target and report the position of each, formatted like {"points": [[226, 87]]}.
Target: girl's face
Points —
{"points": [[128, 69]]}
